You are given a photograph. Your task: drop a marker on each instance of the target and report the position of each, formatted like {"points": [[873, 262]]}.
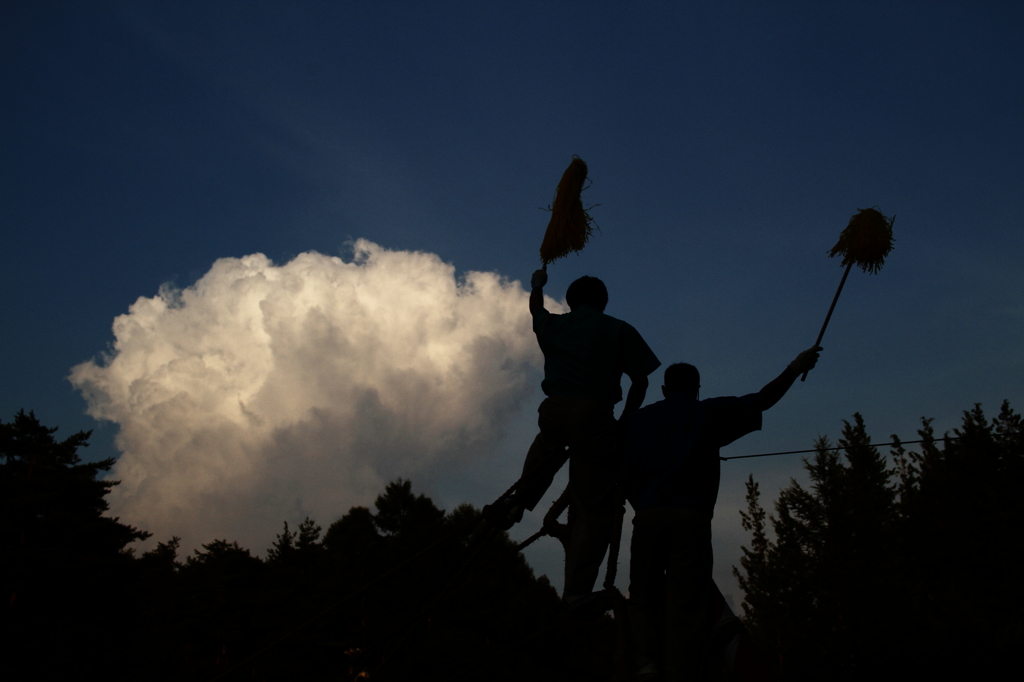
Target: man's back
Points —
{"points": [[671, 474], [673, 449], [586, 353]]}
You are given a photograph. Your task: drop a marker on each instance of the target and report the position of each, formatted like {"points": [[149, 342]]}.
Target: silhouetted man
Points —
{"points": [[585, 355], [671, 474]]}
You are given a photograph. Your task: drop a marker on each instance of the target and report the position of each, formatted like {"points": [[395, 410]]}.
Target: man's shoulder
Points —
{"points": [[657, 411], [645, 414], [722, 405], [620, 323], [585, 319], [729, 402], [726, 410], [649, 410], [732, 417], [630, 335], [720, 401], [599, 315], [592, 314]]}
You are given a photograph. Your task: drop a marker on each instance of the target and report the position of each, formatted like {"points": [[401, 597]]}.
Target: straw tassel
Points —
{"points": [[865, 242], [570, 225]]}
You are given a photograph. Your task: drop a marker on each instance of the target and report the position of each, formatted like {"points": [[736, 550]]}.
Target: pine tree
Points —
{"points": [[65, 565], [891, 570], [811, 593], [960, 510]]}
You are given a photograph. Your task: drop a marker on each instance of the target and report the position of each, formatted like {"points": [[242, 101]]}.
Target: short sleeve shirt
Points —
{"points": [[673, 458], [586, 353]]}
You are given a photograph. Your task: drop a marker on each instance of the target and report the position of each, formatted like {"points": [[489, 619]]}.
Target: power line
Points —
{"points": [[844, 447]]}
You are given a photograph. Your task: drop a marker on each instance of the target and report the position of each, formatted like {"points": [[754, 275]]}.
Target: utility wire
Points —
{"points": [[522, 545], [846, 447]]}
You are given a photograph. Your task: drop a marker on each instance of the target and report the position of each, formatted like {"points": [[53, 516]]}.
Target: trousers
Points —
{"points": [[669, 589], [586, 433]]}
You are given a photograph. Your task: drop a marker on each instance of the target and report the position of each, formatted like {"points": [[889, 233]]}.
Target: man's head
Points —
{"points": [[587, 291], [681, 378]]}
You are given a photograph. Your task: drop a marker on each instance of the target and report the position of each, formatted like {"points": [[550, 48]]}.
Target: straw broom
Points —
{"points": [[570, 225], [866, 241]]}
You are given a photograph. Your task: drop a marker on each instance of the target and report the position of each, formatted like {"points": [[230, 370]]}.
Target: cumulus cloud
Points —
{"points": [[264, 392]]}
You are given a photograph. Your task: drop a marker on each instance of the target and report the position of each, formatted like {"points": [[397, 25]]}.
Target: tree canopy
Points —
{"points": [[64, 564], [391, 591], [902, 564]]}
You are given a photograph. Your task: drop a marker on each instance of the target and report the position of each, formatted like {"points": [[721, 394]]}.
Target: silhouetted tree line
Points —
{"points": [[897, 568], [80, 601], [881, 568]]}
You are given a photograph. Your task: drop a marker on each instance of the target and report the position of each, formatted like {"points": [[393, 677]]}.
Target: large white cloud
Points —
{"points": [[265, 392]]}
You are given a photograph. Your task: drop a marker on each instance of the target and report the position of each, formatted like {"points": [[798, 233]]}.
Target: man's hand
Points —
{"points": [[635, 397], [537, 282], [777, 387], [806, 361], [540, 278]]}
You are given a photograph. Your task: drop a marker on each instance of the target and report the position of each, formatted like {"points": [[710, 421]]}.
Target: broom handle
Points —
{"points": [[830, 309]]}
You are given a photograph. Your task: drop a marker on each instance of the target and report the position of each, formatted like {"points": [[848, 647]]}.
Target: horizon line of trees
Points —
{"points": [[78, 599], [882, 567]]}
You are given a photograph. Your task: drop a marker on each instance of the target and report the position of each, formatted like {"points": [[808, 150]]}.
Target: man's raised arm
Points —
{"points": [[777, 387], [537, 282]]}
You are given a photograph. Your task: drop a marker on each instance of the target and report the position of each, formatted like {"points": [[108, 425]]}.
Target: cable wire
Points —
{"points": [[845, 447]]}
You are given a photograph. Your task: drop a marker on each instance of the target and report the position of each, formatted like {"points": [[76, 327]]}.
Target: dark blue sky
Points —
{"points": [[728, 145]]}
